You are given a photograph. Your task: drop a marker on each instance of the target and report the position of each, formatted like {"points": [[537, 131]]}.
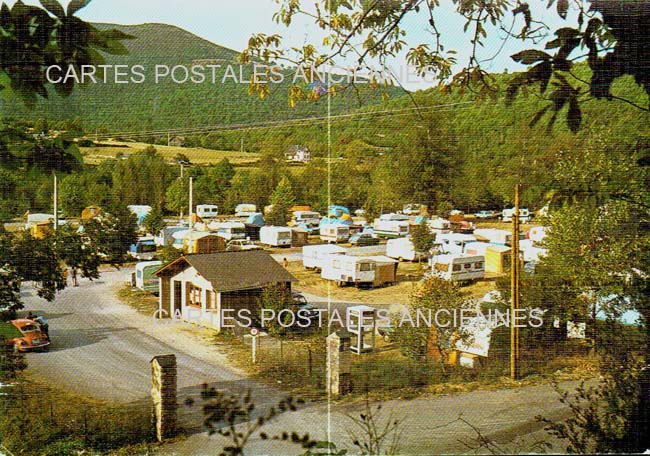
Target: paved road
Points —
{"points": [[102, 348]]}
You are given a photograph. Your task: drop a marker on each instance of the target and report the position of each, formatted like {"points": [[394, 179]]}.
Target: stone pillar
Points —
{"points": [[163, 394], [339, 375]]}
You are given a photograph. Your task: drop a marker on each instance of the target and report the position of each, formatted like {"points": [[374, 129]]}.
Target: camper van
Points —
{"points": [[454, 242], [345, 269], [144, 249], [244, 210], [458, 267], [390, 228], [308, 218], [144, 278], [276, 236], [524, 215], [494, 236], [334, 232], [314, 256], [231, 230], [207, 211], [403, 250]]}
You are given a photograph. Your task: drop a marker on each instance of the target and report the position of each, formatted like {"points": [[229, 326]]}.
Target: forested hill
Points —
{"points": [[166, 104]]}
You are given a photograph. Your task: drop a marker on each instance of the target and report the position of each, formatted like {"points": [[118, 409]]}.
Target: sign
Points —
{"points": [[254, 332], [475, 337]]}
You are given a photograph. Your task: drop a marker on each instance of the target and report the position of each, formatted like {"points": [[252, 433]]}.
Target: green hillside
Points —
{"points": [[156, 106]]}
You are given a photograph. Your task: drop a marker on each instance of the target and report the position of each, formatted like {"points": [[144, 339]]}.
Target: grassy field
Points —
{"points": [[199, 156]]}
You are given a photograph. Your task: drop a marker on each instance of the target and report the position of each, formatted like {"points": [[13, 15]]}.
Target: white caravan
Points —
{"points": [[494, 236], [309, 218], [207, 211], [230, 230], [403, 250], [276, 236], [454, 243], [390, 228], [458, 267], [244, 210], [524, 215], [334, 232], [345, 269], [314, 256]]}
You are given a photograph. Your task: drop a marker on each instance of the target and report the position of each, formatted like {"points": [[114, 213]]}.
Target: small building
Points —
{"points": [[497, 257], [203, 242], [207, 289], [300, 154], [177, 141]]}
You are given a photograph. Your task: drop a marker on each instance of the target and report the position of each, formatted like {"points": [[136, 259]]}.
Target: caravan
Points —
{"points": [[276, 236], [207, 211], [308, 218], [391, 226], [144, 249], [458, 267], [144, 276], [494, 236], [344, 269], [334, 232], [229, 230], [244, 210], [314, 256], [454, 242], [403, 250], [524, 215]]}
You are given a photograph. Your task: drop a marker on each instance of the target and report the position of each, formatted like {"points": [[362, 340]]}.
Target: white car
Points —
{"points": [[241, 244]]}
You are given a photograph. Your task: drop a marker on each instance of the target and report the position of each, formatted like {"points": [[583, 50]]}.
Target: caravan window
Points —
{"points": [[456, 268], [284, 235], [478, 265], [468, 265], [365, 267]]}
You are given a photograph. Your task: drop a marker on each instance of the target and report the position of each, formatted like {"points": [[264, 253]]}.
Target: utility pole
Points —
{"points": [[56, 203], [514, 291], [191, 213]]}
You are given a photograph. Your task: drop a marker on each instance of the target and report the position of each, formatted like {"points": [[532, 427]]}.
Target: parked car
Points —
{"points": [[32, 336], [486, 214], [241, 244], [363, 239]]}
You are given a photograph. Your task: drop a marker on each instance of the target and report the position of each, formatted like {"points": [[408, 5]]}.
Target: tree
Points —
{"points": [[56, 38], [154, 222], [282, 200], [113, 233], [376, 32], [422, 238], [416, 339], [79, 252]]}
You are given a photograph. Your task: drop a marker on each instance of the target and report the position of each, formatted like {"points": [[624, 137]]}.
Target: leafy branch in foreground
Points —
{"points": [[237, 419], [373, 433]]}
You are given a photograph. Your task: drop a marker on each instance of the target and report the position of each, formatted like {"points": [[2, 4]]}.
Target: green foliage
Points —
{"points": [[154, 222], [282, 200], [79, 252], [168, 253], [31, 34], [414, 339], [277, 298], [422, 238], [114, 233]]}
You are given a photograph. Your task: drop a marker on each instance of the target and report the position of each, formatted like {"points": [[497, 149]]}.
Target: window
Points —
{"points": [[365, 267], [193, 295], [456, 268], [467, 265], [478, 265]]}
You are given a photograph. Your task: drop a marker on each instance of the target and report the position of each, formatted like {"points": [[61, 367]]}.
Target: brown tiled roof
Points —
{"points": [[233, 271]]}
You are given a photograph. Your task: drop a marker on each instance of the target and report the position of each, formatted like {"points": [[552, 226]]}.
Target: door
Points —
{"points": [[178, 296]]}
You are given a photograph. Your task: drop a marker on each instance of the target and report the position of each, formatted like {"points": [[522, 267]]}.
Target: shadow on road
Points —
{"points": [[65, 339]]}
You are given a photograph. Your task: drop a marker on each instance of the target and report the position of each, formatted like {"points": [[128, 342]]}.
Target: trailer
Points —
{"points": [[314, 256], [244, 210], [276, 236], [391, 228], [403, 250], [497, 257], [385, 270], [310, 219], [524, 215], [348, 269], [144, 278], [454, 243], [207, 211], [334, 232], [494, 236], [144, 249], [458, 267], [229, 230]]}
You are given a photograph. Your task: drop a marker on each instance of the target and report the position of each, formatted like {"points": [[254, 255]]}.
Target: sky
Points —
{"points": [[231, 23]]}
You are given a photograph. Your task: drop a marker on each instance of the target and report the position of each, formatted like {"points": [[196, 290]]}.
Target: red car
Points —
{"points": [[33, 338]]}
